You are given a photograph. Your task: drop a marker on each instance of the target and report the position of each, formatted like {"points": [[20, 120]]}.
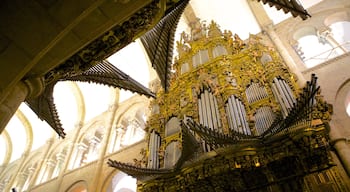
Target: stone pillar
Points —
{"points": [[16, 176], [341, 144], [35, 179], [24, 89], [25, 186], [326, 36], [120, 132], [97, 184], [22, 178], [267, 26], [93, 142], [60, 157], [81, 148], [50, 166]]}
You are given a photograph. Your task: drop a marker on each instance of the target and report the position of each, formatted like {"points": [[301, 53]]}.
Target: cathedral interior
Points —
{"points": [[175, 95]]}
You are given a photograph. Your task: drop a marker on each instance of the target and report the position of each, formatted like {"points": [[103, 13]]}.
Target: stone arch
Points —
{"points": [[339, 108], [28, 128], [78, 186], [9, 147], [112, 181], [80, 101], [304, 31], [336, 17]]}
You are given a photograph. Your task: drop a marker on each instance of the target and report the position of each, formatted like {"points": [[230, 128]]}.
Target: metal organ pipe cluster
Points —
{"points": [[283, 95], [255, 92], [153, 148], [264, 117], [209, 115], [236, 114]]}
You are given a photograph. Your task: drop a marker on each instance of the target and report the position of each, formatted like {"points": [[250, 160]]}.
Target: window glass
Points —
{"points": [[314, 50]]}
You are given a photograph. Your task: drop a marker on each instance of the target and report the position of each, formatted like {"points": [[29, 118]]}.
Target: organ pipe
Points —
{"points": [[283, 95], [237, 115], [264, 117], [255, 92], [154, 144]]}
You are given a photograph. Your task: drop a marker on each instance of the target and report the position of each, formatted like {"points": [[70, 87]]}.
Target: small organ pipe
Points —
{"points": [[200, 110], [217, 113], [247, 93], [207, 107], [286, 94], [231, 109], [243, 128], [236, 113], [246, 122], [229, 116], [204, 111], [213, 112]]}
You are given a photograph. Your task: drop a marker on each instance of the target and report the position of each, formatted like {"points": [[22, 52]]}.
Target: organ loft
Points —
{"points": [[233, 118]]}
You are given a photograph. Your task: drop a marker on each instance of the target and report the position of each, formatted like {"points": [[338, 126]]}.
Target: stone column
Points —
{"points": [[326, 36], [93, 142], [97, 184], [24, 89], [341, 144], [81, 148], [31, 170], [120, 132], [60, 157], [35, 179], [22, 178], [14, 180], [267, 26], [50, 166]]}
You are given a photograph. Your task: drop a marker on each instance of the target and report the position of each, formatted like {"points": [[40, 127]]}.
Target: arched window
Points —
{"points": [[314, 46], [347, 104], [236, 114], [339, 26], [122, 182], [340, 31]]}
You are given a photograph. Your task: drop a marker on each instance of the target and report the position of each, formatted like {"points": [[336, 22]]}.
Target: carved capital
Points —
{"points": [[35, 86]]}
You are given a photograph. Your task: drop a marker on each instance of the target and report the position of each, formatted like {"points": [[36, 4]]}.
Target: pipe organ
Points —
{"points": [[239, 122]]}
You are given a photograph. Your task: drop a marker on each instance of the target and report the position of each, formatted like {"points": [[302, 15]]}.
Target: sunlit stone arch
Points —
{"points": [[113, 178], [9, 172], [28, 129], [342, 15], [131, 108], [9, 147], [342, 100], [79, 100], [78, 186]]}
